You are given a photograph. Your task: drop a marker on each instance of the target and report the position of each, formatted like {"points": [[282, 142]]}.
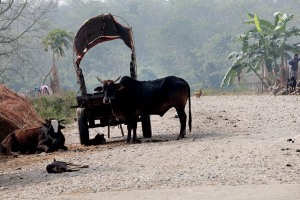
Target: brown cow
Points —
{"points": [[46, 138]]}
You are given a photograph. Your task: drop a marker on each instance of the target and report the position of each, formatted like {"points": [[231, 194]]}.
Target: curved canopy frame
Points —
{"points": [[96, 30], [100, 29]]}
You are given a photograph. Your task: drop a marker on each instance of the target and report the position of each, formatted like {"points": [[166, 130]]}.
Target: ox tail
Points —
{"points": [[190, 113]]}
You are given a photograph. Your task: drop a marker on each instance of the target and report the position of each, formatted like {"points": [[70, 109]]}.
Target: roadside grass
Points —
{"points": [[56, 106], [236, 91], [229, 90]]}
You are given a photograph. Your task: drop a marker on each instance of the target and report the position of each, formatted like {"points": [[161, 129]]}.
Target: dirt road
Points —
{"points": [[240, 147]]}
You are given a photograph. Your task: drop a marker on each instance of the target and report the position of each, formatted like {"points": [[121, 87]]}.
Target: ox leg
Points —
{"points": [[134, 137], [129, 128], [132, 126], [42, 146], [121, 129], [182, 118]]}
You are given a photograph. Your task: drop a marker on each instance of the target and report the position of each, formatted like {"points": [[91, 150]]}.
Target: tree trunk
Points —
{"points": [[44, 80], [284, 70], [282, 74], [260, 78], [54, 79]]}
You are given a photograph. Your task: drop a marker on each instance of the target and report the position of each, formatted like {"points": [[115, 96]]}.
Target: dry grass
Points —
{"points": [[16, 112]]}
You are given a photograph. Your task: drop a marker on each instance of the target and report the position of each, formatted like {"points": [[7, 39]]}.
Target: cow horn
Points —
{"points": [[100, 80], [62, 120], [117, 79]]}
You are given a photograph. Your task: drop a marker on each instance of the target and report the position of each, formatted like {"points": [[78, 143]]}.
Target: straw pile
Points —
{"points": [[16, 112]]}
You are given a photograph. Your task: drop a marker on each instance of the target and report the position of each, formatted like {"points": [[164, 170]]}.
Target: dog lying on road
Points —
{"points": [[60, 167]]}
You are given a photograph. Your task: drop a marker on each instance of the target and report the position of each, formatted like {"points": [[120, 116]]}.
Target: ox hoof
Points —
{"points": [[180, 137], [15, 154], [61, 150], [136, 141]]}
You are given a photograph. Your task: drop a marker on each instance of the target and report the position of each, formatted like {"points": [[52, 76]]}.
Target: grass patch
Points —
{"points": [[56, 106]]}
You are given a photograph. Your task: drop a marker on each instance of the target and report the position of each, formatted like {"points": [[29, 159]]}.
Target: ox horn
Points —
{"points": [[117, 79], [100, 80]]}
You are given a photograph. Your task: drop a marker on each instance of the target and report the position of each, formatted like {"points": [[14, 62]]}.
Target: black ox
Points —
{"points": [[131, 98]]}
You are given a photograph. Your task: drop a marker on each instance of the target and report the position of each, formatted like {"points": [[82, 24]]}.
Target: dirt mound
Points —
{"points": [[15, 112]]}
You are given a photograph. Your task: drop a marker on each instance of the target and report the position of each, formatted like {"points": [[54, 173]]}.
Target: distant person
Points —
{"points": [[294, 66]]}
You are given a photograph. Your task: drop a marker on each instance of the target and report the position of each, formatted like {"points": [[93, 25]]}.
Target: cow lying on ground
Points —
{"points": [[131, 98], [46, 138], [291, 84]]}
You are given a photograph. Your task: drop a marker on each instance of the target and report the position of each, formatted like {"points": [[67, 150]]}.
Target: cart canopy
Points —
{"points": [[99, 29]]}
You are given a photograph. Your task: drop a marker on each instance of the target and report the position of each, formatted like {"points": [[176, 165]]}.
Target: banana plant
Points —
{"points": [[263, 45]]}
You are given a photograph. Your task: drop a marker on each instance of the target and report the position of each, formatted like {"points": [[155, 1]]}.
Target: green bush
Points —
{"points": [[56, 106]]}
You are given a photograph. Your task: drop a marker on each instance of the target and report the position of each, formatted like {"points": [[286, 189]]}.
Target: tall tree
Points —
{"points": [[57, 40]]}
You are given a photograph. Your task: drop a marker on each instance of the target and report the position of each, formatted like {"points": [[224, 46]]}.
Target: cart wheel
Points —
{"points": [[83, 126], [146, 126]]}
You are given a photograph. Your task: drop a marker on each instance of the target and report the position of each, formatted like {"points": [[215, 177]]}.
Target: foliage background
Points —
{"points": [[190, 39], [56, 106]]}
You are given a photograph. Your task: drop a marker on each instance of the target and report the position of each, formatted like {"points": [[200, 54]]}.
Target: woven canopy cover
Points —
{"points": [[99, 29]]}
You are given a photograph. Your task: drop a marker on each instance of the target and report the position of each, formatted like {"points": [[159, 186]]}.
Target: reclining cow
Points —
{"points": [[46, 138], [131, 98]]}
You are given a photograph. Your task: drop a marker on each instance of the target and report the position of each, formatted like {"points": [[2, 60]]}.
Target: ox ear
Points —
{"points": [[47, 125], [61, 127], [119, 86], [98, 89], [48, 121]]}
